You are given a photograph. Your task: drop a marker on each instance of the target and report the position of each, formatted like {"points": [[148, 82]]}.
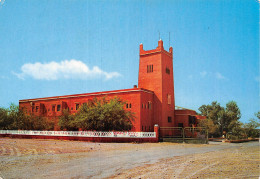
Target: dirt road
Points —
{"points": [[30, 158]]}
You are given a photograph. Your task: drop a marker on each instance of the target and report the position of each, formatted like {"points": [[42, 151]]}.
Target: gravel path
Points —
{"points": [[30, 158]]}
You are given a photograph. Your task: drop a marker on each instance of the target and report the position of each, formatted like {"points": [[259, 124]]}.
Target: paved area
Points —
{"points": [[34, 158]]}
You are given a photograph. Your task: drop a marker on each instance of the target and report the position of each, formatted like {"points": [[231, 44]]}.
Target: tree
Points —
{"points": [[99, 115], [14, 118], [4, 119], [252, 128], [66, 121], [232, 113], [208, 124], [224, 118], [214, 113]]}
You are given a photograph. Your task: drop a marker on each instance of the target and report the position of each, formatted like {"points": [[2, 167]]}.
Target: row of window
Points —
{"points": [[128, 105], [145, 129], [148, 105], [150, 69]]}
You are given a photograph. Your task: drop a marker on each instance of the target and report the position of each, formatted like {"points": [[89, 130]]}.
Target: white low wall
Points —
{"points": [[82, 133]]}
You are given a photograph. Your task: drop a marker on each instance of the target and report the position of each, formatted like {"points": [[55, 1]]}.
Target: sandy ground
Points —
{"points": [[32, 158]]}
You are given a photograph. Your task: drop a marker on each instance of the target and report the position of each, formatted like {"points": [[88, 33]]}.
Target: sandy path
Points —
{"points": [[243, 161], [26, 158]]}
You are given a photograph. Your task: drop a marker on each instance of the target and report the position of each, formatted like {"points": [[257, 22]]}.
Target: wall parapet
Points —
{"points": [[113, 134]]}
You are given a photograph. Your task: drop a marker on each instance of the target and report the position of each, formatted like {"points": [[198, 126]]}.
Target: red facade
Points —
{"points": [[152, 101]]}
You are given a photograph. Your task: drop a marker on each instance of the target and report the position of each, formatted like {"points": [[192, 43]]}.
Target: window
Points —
{"points": [[37, 108], [169, 119], [53, 108], [77, 106], [149, 105], [180, 124], [192, 119], [58, 107], [149, 68], [142, 105], [149, 128], [128, 105], [167, 70], [33, 107], [71, 108], [169, 98]]}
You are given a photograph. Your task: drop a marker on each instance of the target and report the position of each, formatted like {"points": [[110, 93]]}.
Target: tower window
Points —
{"points": [[130, 105], [127, 105], [169, 98], [149, 68], [168, 70], [169, 119]]}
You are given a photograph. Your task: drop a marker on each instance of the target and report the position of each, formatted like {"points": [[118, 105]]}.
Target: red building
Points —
{"points": [[152, 101]]}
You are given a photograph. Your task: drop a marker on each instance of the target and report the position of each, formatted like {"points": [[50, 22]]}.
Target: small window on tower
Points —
{"points": [[169, 98], [169, 119], [126, 105], [167, 70], [149, 68], [130, 105]]}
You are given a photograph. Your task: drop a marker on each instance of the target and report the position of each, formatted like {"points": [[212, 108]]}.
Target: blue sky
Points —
{"points": [[88, 46]]}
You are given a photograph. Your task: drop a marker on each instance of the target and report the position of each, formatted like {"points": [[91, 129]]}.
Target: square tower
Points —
{"points": [[156, 74]]}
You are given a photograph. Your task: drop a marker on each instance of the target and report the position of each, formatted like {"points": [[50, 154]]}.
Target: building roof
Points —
{"points": [[131, 90]]}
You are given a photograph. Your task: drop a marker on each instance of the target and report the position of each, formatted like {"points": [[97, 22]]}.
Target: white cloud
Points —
{"points": [[67, 69], [203, 73], [220, 76]]}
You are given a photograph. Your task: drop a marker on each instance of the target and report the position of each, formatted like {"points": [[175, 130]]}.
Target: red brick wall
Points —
{"points": [[134, 96]]}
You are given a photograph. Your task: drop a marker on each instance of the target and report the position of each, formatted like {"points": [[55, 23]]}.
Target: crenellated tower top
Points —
{"points": [[158, 49]]}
